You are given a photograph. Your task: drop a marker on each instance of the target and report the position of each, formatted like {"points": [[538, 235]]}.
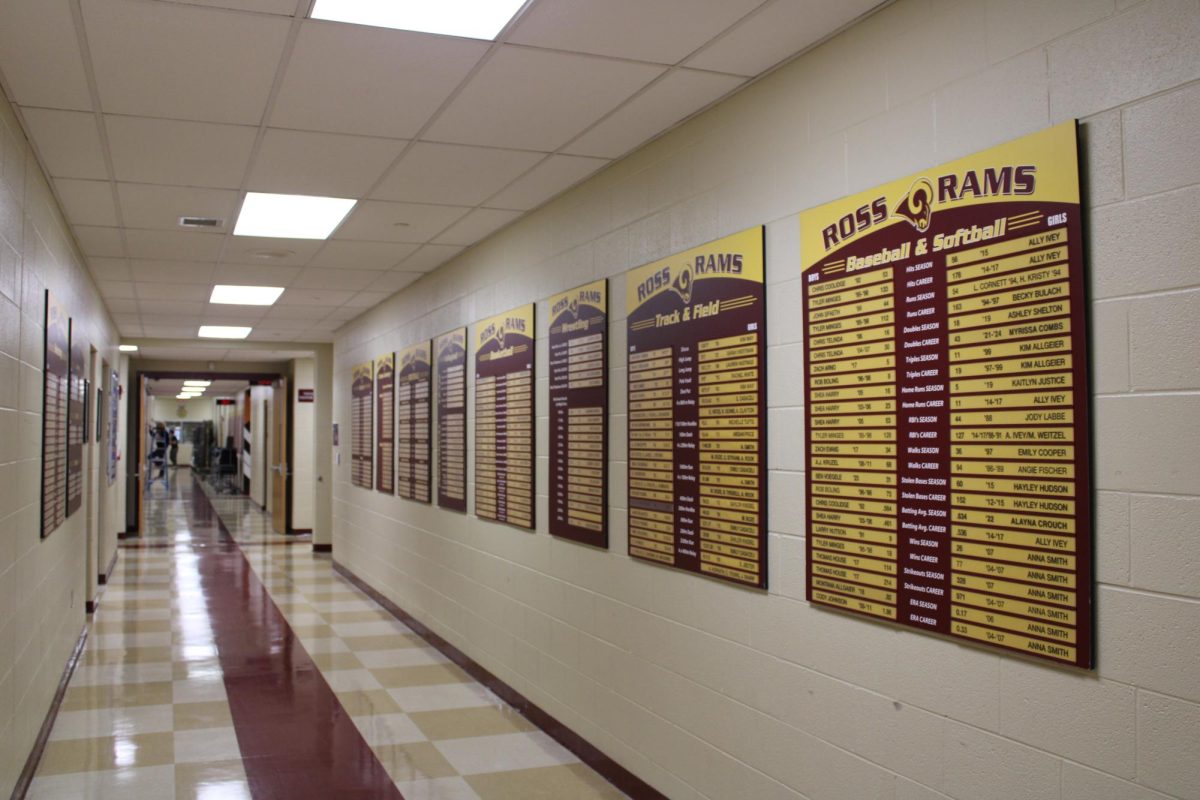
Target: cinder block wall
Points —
{"points": [[706, 690], [42, 583]]}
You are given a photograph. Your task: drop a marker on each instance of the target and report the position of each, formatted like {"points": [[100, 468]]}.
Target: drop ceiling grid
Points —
{"points": [[431, 131]]}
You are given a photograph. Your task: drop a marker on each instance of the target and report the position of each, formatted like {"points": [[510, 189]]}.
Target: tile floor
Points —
{"points": [[192, 686]]}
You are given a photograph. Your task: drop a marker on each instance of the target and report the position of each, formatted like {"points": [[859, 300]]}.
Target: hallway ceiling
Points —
{"points": [[144, 111], [169, 387]]}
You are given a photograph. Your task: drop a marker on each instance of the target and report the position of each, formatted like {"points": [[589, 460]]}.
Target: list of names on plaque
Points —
{"points": [[76, 420], [412, 423], [579, 414], [361, 401], [385, 428], [450, 350], [697, 410], [55, 373], [114, 419], [947, 401], [504, 417]]}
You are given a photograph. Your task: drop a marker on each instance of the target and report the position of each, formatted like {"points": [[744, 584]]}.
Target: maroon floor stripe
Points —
{"points": [[297, 740]]}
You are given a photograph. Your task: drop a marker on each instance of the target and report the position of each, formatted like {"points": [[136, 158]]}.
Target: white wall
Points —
{"points": [[304, 484], [707, 690], [260, 446], [42, 582], [196, 409]]}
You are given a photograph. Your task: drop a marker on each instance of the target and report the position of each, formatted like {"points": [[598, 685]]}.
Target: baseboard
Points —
{"points": [[300, 531], [127, 535], [39, 744], [104, 576], [90, 606], [613, 772], [323, 548]]}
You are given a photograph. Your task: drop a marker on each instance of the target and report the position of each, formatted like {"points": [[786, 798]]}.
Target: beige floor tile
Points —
{"points": [[429, 674], [574, 781], [410, 762], [213, 714], [126, 655], [363, 703], [213, 780], [392, 641], [338, 617], [107, 752], [79, 698], [121, 625], [313, 631], [193, 670], [459, 723], [333, 661]]}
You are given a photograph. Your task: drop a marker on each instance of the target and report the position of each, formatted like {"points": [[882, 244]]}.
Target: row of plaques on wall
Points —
{"points": [[946, 407]]}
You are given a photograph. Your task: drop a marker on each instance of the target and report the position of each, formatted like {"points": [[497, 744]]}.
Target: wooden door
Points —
{"points": [[279, 455]]}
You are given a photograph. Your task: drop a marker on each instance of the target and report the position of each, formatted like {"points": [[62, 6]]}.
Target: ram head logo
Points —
{"points": [[682, 285], [917, 205]]}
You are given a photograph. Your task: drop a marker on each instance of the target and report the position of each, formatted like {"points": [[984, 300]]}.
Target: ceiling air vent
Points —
{"points": [[200, 222]]}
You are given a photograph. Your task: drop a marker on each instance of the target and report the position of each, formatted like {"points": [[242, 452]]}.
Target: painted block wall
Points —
{"points": [[42, 582], [304, 467], [707, 690]]}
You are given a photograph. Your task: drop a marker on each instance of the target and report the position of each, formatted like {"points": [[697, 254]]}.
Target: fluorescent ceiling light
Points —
{"points": [[475, 19], [185, 396], [223, 332], [245, 295], [127, 348], [291, 216], [198, 384]]}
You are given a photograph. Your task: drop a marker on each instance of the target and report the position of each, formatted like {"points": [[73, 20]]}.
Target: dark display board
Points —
{"points": [[385, 427], [948, 445], [697, 410], [114, 423], [579, 414], [77, 387], [362, 390], [504, 459], [412, 423], [55, 372], [450, 350]]}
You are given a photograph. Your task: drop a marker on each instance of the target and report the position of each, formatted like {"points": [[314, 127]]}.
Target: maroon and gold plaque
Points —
{"points": [[946, 356], [450, 352], [55, 372], [385, 414], [412, 423], [504, 456], [362, 391], [697, 410], [76, 419], [579, 414]]}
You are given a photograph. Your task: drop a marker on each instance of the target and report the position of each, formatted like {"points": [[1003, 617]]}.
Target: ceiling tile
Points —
{"points": [[479, 223], [176, 308], [268, 251], [545, 181], [362, 255], [39, 55], [430, 257], [127, 319], [283, 7], [173, 292], [344, 314], [116, 289], [365, 300], [255, 274], [350, 279], [781, 29], [676, 96], [173, 272], [506, 103], [183, 153], [376, 221], [160, 207], [219, 314], [120, 305], [181, 61], [130, 329], [87, 202], [299, 312], [313, 297], [174, 245], [110, 269], [171, 331], [293, 325], [393, 281], [372, 81], [68, 142], [663, 31], [99, 242], [453, 174], [326, 164], [155, 320]]}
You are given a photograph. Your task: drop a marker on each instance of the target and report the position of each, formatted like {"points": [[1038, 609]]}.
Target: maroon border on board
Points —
{"points": [[588, 753]]}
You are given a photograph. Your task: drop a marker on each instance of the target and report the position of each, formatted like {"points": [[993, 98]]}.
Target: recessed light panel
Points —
{"points": [[291, 216], [127, 348], [474, 19], [198, 384], [245, 295], [186, 395], [223, 332]]}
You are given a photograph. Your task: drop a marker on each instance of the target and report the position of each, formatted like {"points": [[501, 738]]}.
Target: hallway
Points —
{"points": [[228, 662]]}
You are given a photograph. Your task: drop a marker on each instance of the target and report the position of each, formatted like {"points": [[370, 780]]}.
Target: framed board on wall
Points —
{"points": [[413, 419], [362, 390], [55, 391], [450, 354]]}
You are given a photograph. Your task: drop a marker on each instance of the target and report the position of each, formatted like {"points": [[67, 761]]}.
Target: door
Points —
{"points": [[142, 437], [279, 455]]}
